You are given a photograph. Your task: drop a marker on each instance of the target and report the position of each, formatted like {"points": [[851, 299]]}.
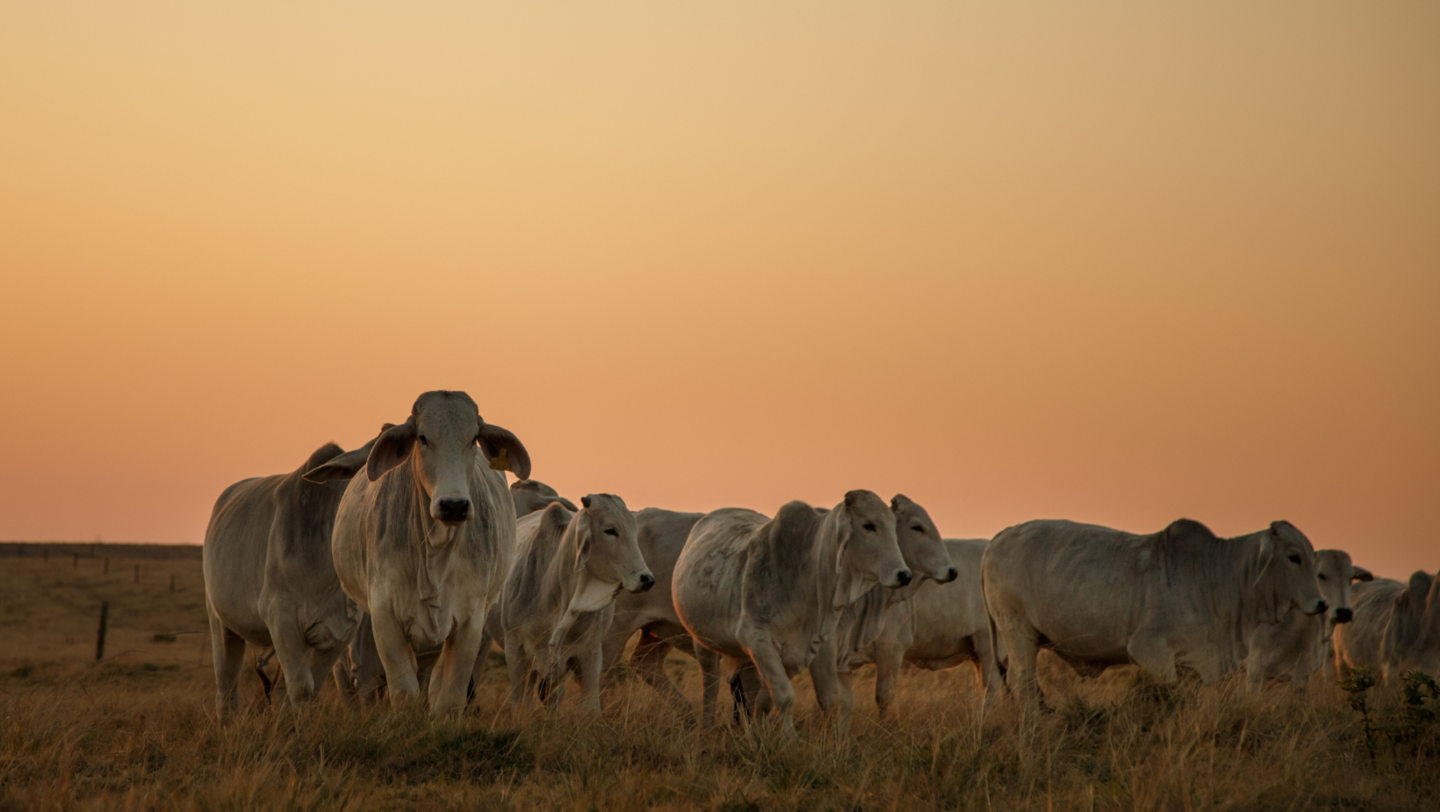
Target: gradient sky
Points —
{"points": [[1114, 262]]}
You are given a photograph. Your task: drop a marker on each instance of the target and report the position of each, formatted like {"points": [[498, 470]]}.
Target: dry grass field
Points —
{"points": [[138, 731]]}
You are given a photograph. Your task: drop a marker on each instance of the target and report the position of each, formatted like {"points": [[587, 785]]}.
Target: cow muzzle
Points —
{"points": [[452, 511], [1319, 608], [642, 584], [902, 578], [1344, 615], [950, 575]]}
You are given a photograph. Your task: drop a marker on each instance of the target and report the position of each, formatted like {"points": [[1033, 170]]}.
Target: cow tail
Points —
{"points": [[994, 634]]}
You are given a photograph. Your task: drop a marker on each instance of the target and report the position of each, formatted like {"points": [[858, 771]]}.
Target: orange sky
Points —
{"points": [[1109, 261]]}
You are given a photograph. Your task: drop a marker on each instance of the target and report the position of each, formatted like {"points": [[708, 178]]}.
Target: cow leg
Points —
{"points": [[344, 682], [772, 670], [649, 662], [987, 667], [831, 692], [710, 684], [889, 657], [519, 667], [450, 675], [1023, 644], [365, 669], [294, 654], [589, 671], [401, 681], [1152, 652], [227, 652], [323, 661]]}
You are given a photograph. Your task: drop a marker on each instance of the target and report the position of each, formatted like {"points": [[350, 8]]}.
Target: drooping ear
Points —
{"points": [[344, 466], [504, 450], [390, 449], [1419, 589], [1268, 586], [1360, 574], [1267, 544], [582, 545]]}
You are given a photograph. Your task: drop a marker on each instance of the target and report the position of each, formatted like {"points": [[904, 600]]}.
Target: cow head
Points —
{"points": [[1333, 574], [1287, 575], [439, 439], [1414, 633], [606, 543], [920, 545], [531, 495], [867, 546]]}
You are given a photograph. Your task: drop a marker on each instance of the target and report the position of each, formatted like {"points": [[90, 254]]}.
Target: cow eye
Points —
{"points": [[1321, 576], [424, 441], [610, 531], [870, 526], [918, 529], [1294, 559]]}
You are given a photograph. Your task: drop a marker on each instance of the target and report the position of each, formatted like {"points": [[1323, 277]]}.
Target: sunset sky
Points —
{"points": [[1112, 262]]}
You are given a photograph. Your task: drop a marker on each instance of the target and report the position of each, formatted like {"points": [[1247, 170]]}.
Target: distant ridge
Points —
{"points": [[96, 549]]}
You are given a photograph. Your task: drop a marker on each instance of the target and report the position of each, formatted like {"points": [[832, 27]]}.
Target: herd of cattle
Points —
{"points": [[400, 579]]}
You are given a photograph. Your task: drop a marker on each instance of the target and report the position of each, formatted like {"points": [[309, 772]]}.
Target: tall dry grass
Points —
{"points": [[138, 731]]}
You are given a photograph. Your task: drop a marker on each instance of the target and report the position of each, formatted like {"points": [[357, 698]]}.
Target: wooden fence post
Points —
{"points": [[104, 621]]}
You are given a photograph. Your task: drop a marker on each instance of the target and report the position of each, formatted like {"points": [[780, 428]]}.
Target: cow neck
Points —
{"points": [[829, 603], [429, 558], [1242, 553], [561, 577]]}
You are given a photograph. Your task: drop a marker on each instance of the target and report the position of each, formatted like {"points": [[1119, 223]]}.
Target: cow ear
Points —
{"points": [[1360, 574], [344, 466], [1419, 588], [582, 545], [504, 450], [391, 448], [585, 500]]}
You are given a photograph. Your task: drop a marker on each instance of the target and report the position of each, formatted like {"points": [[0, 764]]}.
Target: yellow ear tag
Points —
{"points": [[502, 462]]}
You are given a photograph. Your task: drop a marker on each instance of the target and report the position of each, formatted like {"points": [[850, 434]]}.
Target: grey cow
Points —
{"points": [[1099, 597], [1300, 644], [423, 541], [269, 580], [772, 590], [560, 594]]}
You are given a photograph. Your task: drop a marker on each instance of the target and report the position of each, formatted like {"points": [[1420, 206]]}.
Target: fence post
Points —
{"points": [[104, 621]]}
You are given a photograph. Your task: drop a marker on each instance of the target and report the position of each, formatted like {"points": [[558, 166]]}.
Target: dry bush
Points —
{"points": [[138, 731]]}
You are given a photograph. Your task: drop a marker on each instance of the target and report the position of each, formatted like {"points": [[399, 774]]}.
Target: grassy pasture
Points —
{"points": [[138, 731]]}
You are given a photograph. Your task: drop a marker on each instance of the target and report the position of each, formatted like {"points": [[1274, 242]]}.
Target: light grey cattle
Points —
{"points": [[423, 542], [560, 595], [269, 580], [772, 590], [863, 627], [940, 626], [661, 537], [1300, 644], [1396, 628], [531, 495], [1099, 597]]}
